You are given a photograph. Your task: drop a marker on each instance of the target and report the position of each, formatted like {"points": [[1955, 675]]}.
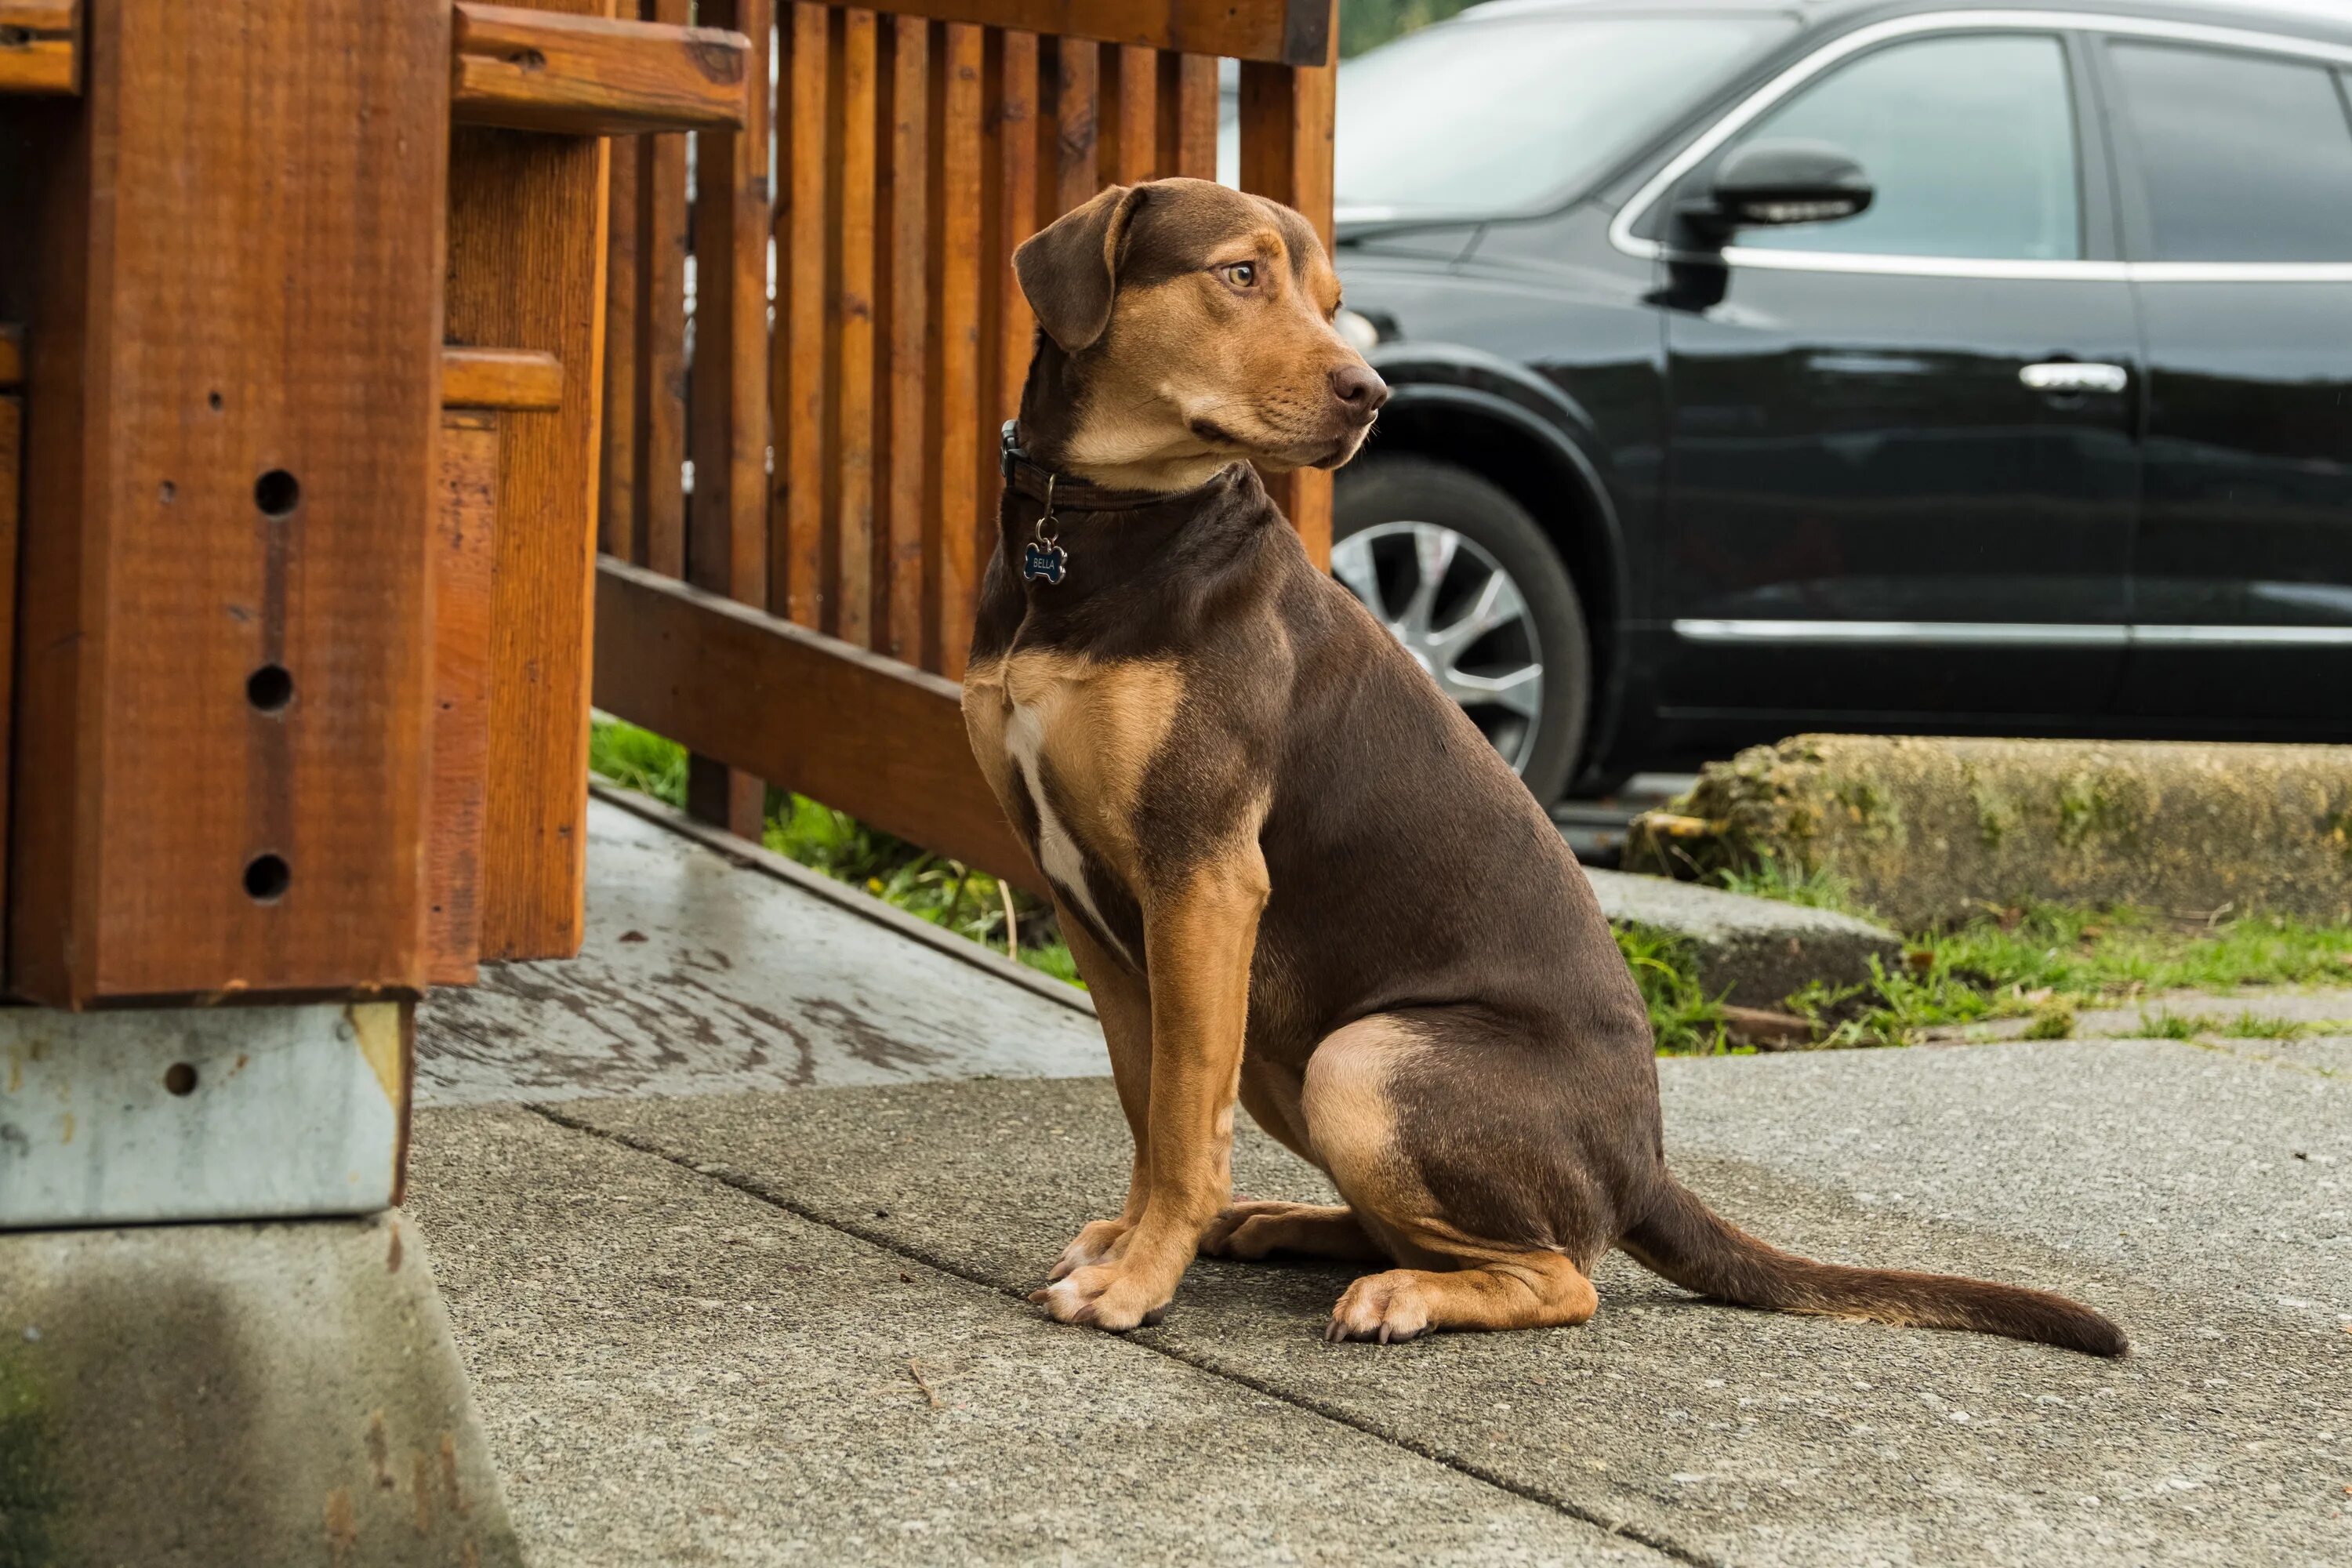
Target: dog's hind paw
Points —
{"points": [[1388, 1307]]}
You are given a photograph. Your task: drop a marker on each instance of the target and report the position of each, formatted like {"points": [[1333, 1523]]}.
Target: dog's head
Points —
{"points": [[1185, 325]]}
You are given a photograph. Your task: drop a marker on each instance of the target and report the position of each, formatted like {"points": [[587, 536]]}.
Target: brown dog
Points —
{"points": [[1289, 869]]}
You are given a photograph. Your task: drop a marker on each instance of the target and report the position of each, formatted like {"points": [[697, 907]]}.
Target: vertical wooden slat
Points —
{"points": [[214, 310], [853, 310], [661, 307], [1136, 150], [727, 543], [906, 458], [464, 556], [1008, 214], [802, 315], [616, 510], [1285, 154], [1072, 69], [12, 480], [957, 415], [1188, 115], [779, 292]]}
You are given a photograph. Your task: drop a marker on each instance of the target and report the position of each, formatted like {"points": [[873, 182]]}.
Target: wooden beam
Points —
{"points": [[224, 580], [862, 733], [40, 45], [11, 355], [576, 75], [1284, 32], [527, 256], [525, 380]]}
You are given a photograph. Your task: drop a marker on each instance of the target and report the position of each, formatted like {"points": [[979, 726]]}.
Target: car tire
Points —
{"points": [[1395, 510]]}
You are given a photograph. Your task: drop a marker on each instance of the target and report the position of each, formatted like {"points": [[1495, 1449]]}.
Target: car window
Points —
{"points": [[2242, 157], [1969, 142], [1501, 116]]}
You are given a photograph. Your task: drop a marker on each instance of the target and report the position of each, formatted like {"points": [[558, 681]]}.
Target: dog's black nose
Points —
{"points": [[1359, 391]]}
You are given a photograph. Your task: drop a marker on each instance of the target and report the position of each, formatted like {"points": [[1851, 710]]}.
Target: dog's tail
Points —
{"points": [[1691, 1245]]}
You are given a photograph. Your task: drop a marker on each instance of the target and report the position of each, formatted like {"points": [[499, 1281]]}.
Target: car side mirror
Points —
{"points": [[1771, 184]]}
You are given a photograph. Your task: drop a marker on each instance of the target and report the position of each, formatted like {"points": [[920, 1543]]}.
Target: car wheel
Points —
{"points": [[1468, 581]]}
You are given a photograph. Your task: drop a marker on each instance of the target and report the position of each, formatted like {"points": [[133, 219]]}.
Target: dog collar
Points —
{"points": [[1043, 558]]}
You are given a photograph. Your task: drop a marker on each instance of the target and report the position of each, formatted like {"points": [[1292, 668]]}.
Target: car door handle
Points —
{"points": [[2072, 377]]}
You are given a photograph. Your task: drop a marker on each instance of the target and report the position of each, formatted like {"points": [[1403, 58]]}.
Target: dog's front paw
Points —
{"points": [[1099, 1241], [1106, 1296]]}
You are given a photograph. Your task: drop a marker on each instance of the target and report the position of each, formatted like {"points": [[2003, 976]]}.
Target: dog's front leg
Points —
{"points": [[1123, 1006], [1198, 938]]}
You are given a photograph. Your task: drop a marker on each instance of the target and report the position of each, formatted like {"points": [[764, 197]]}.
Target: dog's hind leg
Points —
{"points": [[1256, 1229], [1524, 1291], [1464, 1178]]}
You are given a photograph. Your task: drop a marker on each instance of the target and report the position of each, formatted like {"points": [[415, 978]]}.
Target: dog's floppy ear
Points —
{"points": [[1069, 270]]}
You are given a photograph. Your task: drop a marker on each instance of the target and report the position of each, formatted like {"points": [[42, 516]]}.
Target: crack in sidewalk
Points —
{"points": [[726, 1176]]}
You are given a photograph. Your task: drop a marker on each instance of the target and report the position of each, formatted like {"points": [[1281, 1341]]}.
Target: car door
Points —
{"points": [[1902, 465], [2236, 171]]}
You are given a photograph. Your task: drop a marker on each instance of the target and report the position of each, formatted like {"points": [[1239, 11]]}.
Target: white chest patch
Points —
{"points": [[1058, 849]]}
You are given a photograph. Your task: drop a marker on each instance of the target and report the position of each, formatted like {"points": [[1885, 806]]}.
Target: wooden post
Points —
{"points": [[234, 388], [526, 270], [465, 546]]}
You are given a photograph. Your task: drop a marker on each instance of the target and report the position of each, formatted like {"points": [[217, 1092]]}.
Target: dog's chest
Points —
{"points": [[1068, 743]]}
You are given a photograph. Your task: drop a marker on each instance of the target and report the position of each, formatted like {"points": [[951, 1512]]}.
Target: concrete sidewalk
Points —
{"points": [[786, 1325]]}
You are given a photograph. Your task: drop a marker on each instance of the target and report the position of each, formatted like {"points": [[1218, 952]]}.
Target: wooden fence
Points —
{"points": [[855, 341]]}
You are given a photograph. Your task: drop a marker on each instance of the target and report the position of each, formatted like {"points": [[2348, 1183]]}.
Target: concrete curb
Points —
{"points": [[1752, 953], [1927, 830]]}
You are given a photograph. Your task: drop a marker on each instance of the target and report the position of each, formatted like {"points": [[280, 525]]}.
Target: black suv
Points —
{"points": [[1760, 367]]}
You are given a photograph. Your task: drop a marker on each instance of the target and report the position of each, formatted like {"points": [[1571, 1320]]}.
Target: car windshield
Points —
{"points": [[1502, 116]]}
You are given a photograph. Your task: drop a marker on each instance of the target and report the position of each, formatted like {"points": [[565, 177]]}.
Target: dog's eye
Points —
{"points": [[1240, 274]]}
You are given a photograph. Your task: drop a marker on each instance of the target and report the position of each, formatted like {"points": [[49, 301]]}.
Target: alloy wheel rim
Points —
{"points": [[1461, 616]]}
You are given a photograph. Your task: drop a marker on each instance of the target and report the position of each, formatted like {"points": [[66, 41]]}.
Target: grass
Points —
{"points": [[947, 893], [2034, 959], [2168, 1024], [1685, 1020], [2053, 1020], [1776, 879]]}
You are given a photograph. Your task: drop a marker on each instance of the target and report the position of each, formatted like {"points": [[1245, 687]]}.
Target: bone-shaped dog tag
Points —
{"points": [[1045, 562]]}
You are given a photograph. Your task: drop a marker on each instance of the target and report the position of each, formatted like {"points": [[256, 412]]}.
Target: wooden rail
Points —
{"points": [[842, 425], [524, 380], [591, 76], [785, 702], [40, 45]]}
